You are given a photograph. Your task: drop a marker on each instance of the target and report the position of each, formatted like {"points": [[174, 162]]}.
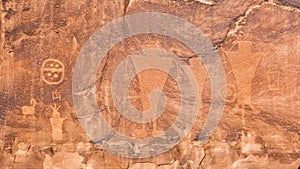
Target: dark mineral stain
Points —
{"points": [[295, 3], [7, 103], [9, 13], [26, 9], [4, 3], [277, 121]]}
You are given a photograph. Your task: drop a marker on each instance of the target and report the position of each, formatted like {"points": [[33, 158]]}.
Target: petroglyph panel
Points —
{"points": [[258, 42]]}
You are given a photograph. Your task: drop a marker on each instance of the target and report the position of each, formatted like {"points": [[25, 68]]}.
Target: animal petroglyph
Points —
{"points": [[29, 110]]}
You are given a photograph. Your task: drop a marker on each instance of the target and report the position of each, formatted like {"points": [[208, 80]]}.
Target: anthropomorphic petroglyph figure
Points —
{"points": [[29, 110], [56, 122], [244, 63]]}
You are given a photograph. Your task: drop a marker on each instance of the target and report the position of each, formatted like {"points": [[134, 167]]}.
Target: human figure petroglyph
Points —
{"points": [[244, 63], [56, 122], [52, 72]]}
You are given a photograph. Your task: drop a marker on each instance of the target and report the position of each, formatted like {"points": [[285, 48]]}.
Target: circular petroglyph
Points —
{"points": [[52, 72]]}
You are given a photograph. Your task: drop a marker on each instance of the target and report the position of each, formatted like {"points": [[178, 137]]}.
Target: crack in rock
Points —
{"points": [[240, 19], [291, 3], [286, 6], [238, 22]]}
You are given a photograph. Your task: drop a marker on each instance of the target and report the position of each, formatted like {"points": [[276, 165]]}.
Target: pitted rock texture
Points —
{"points": [[258, 42]]}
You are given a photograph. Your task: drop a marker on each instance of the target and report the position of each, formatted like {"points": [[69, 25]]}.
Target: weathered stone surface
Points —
{"points": [[257, 40], [143, 165]]}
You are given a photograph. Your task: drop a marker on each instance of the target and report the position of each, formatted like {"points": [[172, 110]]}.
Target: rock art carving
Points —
{"points": [[230, 93], [52, 72], [273, 77], [29, 110], [56, 96], [244, 64], [56, 122]]}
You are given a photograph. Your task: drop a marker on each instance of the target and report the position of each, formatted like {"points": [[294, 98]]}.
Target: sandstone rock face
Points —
{"points": [[258, 42]]}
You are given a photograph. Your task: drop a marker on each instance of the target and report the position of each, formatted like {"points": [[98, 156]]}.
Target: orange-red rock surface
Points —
{"points": [[258, 42]]}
